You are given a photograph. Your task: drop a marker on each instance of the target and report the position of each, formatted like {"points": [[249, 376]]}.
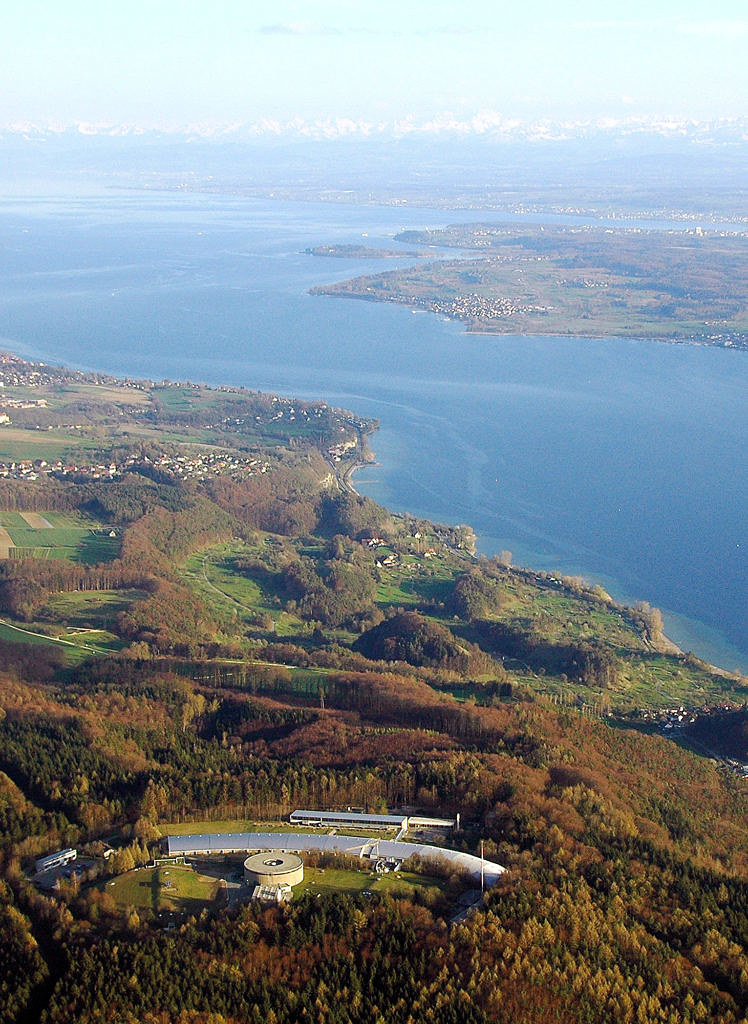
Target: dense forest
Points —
{"points": [[270, 641]]}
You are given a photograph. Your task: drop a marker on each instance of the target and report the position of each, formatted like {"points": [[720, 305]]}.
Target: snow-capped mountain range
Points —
{"points": [[485, 125]]}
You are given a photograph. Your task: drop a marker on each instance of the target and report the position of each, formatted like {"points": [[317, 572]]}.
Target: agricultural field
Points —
{"points": [[17, 634], [18, 443], [107, 394], [64, 392], [6, 543], [56, 535]]}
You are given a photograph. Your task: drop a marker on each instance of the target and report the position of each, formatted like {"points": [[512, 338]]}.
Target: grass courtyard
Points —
{"points": [[174, 888]]}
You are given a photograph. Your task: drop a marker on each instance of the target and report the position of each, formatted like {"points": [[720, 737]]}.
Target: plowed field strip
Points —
{"points": [[6, 543], [36, 522]]}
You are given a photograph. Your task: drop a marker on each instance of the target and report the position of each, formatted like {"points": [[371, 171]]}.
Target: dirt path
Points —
{"points": [[52, 639], [44, 636]]}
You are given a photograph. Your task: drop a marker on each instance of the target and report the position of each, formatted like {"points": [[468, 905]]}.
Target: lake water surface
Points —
{"points": [[620, 460]]}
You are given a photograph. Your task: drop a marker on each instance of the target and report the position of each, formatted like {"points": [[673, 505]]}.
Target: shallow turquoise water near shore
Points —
{"points": [[621, 460]]}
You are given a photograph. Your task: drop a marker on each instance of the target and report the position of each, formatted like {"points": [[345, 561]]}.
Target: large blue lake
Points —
{"points": [[623, 461]]}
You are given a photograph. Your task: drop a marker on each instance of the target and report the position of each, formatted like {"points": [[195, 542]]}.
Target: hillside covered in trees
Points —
{"points": [[257, 637]]}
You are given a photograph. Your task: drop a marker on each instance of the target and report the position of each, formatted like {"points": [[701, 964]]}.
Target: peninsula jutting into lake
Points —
{"points": [[687, 285]]}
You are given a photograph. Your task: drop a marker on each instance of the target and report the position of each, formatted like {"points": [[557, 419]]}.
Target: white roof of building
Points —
{"points": [[69, 854], [354, 817], [236, 842]]}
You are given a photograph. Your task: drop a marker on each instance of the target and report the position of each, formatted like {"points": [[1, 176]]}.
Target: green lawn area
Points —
{"points": [[401, 589], [182, 890], [135, 888], [405, 883], [74, 644], [251, 599], [91, 609], [188, 828], [18, 635], [335, 880], [174, 888]]}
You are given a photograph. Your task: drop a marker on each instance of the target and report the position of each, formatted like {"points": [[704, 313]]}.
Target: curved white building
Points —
{"points": [[370, 849]]}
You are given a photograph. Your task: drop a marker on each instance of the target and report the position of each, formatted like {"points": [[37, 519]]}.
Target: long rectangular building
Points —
{"points": [[348, 819], [56, 860]]}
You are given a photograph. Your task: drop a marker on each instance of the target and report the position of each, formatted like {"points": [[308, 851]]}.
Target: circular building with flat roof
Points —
{"points": [[273, 868]]}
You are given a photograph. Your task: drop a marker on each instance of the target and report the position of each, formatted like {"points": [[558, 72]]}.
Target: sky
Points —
{"points": [[166, 63]]}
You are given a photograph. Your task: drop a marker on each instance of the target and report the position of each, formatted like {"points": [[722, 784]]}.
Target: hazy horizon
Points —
{"points": [[175, 63]]}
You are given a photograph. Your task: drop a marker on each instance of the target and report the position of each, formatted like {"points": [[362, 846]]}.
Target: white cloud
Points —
{"points": [[299, 28], [618, 25], [717, 29]]}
